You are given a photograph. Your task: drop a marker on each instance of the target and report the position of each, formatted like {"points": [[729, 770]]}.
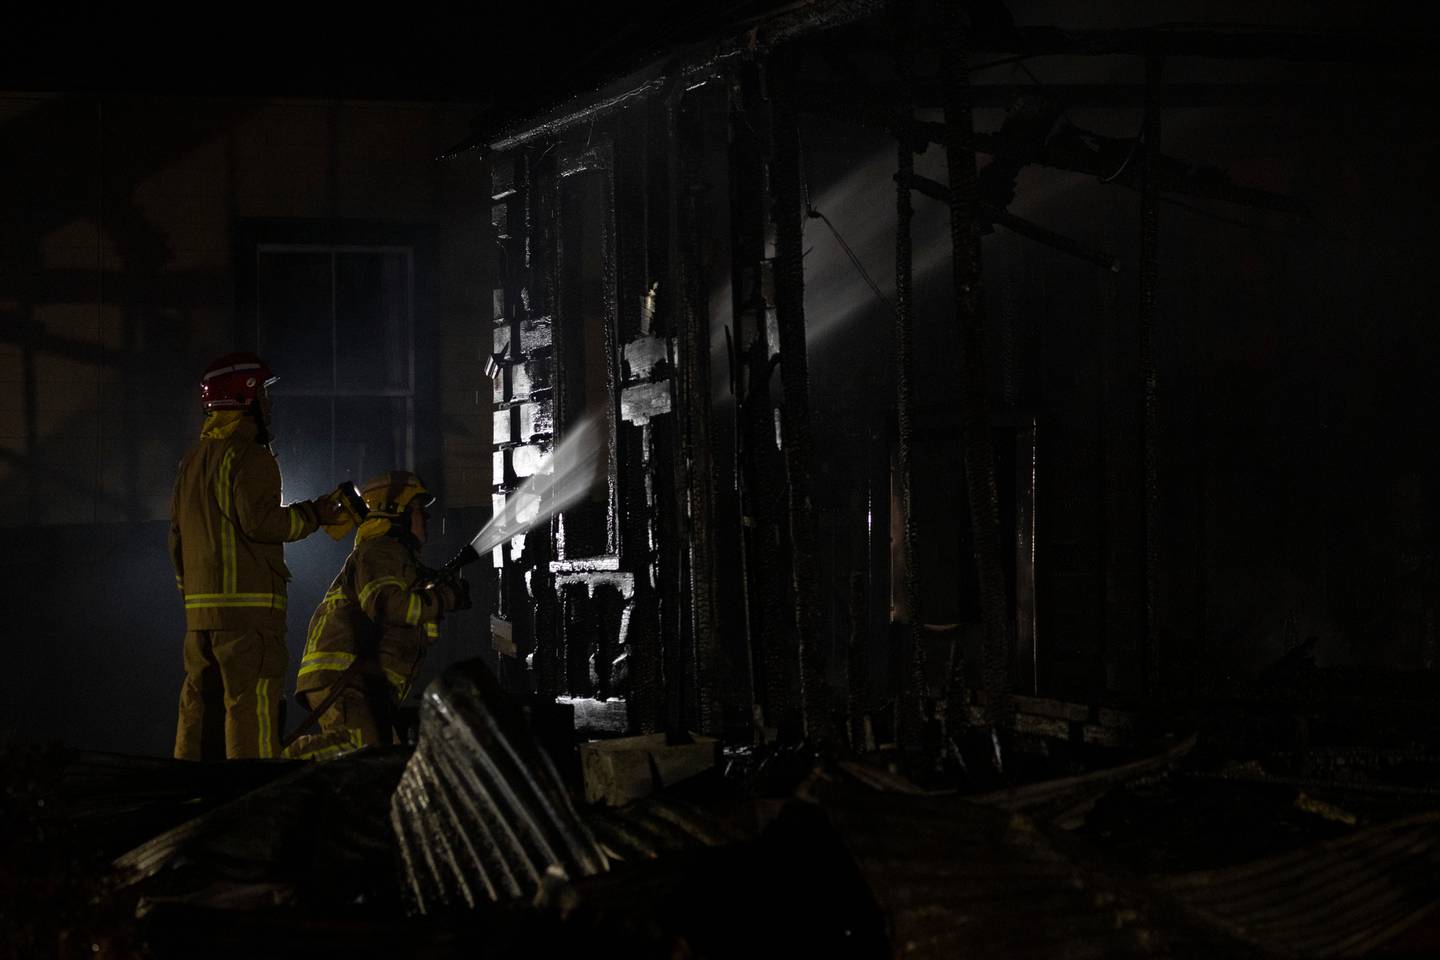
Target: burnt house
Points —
{"points": [[837, 506], [1013, 470]]}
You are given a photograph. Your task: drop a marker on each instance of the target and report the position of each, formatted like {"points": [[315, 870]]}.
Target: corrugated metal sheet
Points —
{"points": [[958, 879], [480, 813], [657, 826], [1342, 898], [1063, 800], [1066, 800]]}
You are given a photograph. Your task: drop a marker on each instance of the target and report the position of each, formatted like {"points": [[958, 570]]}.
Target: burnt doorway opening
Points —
{"points": [[948, 619]]}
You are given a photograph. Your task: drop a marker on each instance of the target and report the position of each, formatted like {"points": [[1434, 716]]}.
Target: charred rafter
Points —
{"points": [[994, 215], [1068, 147]]}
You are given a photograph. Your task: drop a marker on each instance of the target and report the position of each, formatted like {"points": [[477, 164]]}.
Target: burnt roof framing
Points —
{"points": [[848, 26]]}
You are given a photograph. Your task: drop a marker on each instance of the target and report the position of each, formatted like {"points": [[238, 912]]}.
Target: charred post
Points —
{"points": [[975, 404], [1152, 657], [786, 186], [910, 714], [634, 311], [693, 416], [760, 470]]}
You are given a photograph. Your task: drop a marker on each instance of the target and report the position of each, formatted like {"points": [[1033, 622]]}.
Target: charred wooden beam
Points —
{"points": [[1152, 662], [801, 21], [988, 213], [910, 718], [514, 602], [1337, 46], [693, 420], [760, 470], [974, 400], [641, 683], [1033, 231], [785, 182], [669, 440], [1110, 159], [540, 542], [821, 97]]}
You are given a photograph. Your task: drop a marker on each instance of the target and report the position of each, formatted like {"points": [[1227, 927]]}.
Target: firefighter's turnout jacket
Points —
{"points": [[228, 529], [376, 612], [227, 535]]}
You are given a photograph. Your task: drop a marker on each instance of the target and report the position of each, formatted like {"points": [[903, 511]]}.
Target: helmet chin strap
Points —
{"points": [[262, 434], [400, 530]]}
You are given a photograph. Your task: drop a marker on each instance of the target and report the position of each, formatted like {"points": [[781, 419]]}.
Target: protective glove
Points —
{"points": [[454, 594], [350, 510], [327, 511]]}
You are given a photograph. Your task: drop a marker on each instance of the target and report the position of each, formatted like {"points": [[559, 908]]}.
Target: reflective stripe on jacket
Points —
{"points": [[228, 529], [372, 611]]}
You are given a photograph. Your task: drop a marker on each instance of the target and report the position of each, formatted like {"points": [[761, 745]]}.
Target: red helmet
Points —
{"points": [[234, 382]]}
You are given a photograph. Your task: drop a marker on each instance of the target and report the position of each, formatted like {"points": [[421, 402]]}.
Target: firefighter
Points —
{"points": [[227, 535], [375, 624]]}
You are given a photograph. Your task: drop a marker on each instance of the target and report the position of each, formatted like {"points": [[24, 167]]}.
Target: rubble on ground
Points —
{"points": [[1268, 829]]}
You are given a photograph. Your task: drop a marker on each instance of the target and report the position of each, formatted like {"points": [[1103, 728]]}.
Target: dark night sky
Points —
{"points": [[476, 56], [486, 55]]}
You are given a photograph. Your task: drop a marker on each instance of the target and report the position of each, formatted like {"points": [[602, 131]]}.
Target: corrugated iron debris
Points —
{"points": [[478, 838]]}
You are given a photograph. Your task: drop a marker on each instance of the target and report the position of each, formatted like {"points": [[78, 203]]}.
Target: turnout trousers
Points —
{"points": [[357, 718], [230, 699]]}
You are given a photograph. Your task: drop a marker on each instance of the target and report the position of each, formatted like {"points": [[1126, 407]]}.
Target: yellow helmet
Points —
{"points": [[394, 492]]}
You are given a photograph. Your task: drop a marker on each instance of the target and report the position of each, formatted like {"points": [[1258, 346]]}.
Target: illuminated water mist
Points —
{"points": [[562, 477]]}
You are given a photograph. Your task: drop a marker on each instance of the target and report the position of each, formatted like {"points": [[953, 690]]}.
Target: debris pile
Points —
{"points": [[480, 837]]}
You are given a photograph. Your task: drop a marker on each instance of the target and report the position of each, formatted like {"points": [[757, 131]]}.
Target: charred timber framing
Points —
{"points": [[662, 488], [1019, 225], [611, 641], [692, 414], [523, 604], [1118, 96], [1006, 45], [760, 469], [1108, 159], [910, 719], [1115, 446], [633, 440], [575, 617], [680, 635], [975, 407], [1152, 662], [592, 634], [666, 479], [547, 665], [1316, 46], [698, 62], [785, 183]]}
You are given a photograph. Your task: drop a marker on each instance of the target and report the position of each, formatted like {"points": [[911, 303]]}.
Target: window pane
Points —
{"points": [[372, 321], [293, 304], [300, 427], [370, 437]]}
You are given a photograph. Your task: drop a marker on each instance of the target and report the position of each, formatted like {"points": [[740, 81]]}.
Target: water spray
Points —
{"points": [[562, 477]]}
